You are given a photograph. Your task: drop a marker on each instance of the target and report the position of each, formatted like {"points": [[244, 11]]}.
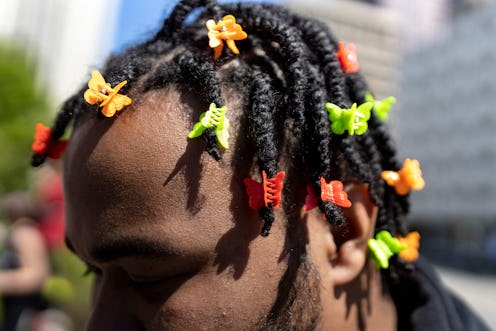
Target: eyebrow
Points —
{"points": [[109, 250]]}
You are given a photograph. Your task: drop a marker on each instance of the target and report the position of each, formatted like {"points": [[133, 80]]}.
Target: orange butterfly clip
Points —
{"points": [[411, 241], [101, 93], [225, 30], [44, 144], [265, 193], [406, 179], [347, 55]]}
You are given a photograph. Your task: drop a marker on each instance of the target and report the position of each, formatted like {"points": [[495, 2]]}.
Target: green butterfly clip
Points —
{"points": [[213, 118], [352, 119], [381, 107], [383, 247]]}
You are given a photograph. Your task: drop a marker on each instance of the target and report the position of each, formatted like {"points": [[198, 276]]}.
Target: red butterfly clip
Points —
{"points": [[333, 192], [347, 55], [265, 193], [44, 144]]}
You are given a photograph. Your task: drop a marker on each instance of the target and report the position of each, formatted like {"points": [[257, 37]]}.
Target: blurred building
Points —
{"points": [[447, 120], [67, 37], [426, 21], [376, 31], [423, 21]]}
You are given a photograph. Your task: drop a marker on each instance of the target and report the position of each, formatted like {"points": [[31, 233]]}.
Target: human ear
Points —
{"points": [[351, 240], [342, 250]]}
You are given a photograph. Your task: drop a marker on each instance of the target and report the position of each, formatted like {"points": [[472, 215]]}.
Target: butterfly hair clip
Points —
{"points": [[381, 107], [412, 243], [224, 30], [347, 56], [216, 118], [382, 247], [267, 192], [44, 144], [334, 192], [101, 93], [354, 119], [331, 192], [406, 179]]}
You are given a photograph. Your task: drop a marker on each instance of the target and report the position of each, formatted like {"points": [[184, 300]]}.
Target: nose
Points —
{"points": [[115, 307]]}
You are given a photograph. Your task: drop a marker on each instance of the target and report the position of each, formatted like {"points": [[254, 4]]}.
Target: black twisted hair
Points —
{"points": [[290, 71]]}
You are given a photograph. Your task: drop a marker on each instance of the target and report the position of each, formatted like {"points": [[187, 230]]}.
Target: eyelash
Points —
{"points": [[152, 285], [148, 284], [92, 270]]}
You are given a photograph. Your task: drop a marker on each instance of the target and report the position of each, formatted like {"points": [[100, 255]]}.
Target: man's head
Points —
{"points": [[172, 239], [168, 228]]}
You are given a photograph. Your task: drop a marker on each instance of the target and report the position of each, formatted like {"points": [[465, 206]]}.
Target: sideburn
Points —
{"points": [[297, 306]]}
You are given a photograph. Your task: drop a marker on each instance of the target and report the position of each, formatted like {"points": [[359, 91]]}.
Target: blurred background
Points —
{"points": [[438, 57]]}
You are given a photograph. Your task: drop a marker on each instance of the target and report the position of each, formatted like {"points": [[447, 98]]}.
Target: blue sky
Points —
{"points": [[138, 20]]}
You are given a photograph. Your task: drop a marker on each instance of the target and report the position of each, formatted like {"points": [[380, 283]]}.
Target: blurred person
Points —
{"points": [[294, 219], [50, 196], [24, 263]]}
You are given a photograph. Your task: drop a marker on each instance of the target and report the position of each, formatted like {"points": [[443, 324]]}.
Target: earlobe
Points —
{"points": [[351, 240]]}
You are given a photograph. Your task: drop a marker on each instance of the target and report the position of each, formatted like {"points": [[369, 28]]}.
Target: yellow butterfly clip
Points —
{"points": [[406, 179], [225, 30], [101, 93]]}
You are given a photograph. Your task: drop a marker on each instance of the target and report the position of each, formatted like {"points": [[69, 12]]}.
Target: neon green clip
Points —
{"points": [[352, 119], [383, 247], [213, 118], [381, 107]]}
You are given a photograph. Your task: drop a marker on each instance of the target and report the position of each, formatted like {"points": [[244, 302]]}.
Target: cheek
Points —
{"points": [[214, 300]]}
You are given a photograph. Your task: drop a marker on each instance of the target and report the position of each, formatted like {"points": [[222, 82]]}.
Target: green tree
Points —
{"points": [[22, 104]]}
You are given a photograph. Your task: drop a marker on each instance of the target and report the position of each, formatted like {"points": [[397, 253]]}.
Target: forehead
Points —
{"points": [[138, 175]]}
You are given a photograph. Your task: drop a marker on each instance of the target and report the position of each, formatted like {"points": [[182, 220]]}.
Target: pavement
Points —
{"points": [[479, 291]]}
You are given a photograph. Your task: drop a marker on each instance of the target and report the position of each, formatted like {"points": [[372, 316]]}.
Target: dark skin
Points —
{"points": [[170, 232]]}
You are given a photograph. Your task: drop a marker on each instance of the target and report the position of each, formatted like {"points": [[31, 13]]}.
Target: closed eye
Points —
{"points": [[147, 283]]}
